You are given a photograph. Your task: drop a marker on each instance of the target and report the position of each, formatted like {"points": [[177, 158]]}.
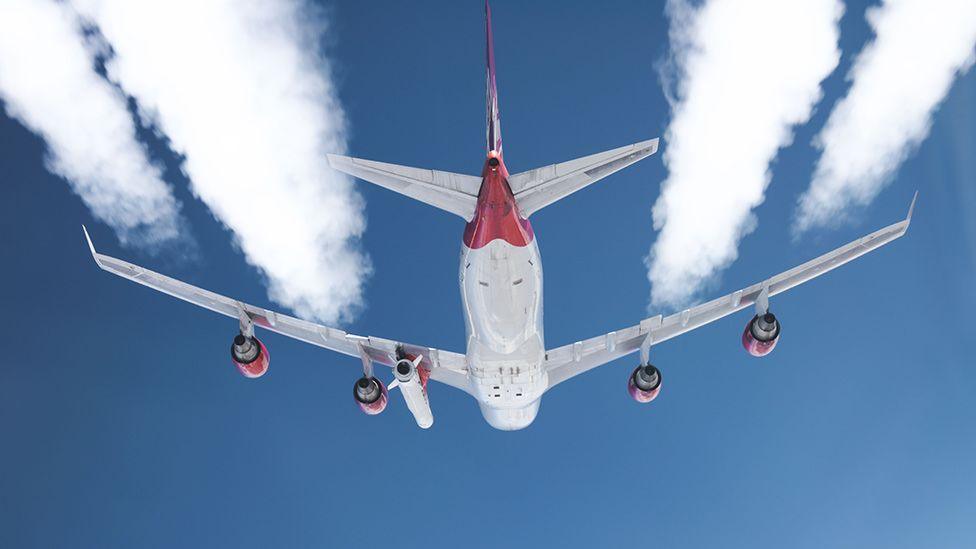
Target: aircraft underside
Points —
{"points": [[506, 367], [501, 292]]}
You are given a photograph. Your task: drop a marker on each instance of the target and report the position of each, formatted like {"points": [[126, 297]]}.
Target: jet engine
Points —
{"points": [[412, 381], [370, 395], [761, 334], [645, 383], [250, 356]]}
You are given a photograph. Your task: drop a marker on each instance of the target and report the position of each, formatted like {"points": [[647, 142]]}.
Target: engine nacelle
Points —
{"points": [[644, 384], [413, 384], [761, 334], [250, 356], [370, 395]]}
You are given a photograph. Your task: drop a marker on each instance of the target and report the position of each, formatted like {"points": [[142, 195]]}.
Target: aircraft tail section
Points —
{"points": [[494, 120], [459, 194]]}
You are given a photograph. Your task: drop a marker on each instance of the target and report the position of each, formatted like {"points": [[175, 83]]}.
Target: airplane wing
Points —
{"points": [[536, 189], [446, 367], [452, 192], [571, 360]]}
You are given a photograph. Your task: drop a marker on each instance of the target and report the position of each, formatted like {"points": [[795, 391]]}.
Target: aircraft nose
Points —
{"points": [[510, 419]]}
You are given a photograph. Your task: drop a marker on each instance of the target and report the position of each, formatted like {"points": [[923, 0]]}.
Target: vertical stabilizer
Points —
{"points": [[494, 122]]}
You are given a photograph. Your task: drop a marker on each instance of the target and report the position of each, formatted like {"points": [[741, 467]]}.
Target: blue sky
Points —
{"points": [[124, 424]]}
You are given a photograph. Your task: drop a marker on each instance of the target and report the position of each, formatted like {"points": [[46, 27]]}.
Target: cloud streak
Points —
{"points": [[746, 73], [48, 83], [899, 79], [242, 92]]}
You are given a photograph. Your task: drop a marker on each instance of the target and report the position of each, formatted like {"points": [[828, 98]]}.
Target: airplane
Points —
{"points": [[506, 367]]}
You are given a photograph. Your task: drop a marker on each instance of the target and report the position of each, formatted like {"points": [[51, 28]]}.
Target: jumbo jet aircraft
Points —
{"points": [[507, 367]]}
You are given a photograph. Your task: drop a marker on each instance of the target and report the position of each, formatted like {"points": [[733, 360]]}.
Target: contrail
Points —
{"points": [[48, 82], [746, 73], [899, 79], [242, 91]]}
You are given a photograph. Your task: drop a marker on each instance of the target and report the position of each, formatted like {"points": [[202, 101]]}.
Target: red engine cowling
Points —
{"points": [[761, 334], [644, 384], [370, 395], [250, 356]]}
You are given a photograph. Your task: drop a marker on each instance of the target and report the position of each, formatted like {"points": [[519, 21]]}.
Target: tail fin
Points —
{"points": [[494, 121]]}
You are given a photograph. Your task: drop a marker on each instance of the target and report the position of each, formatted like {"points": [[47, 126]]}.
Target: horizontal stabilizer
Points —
{"points": [[536, 189], [452, 192]]}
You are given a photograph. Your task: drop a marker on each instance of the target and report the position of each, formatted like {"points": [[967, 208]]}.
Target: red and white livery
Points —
{"points": [[506, 366]]}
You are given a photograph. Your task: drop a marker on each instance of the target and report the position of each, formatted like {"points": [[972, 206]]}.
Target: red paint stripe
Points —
{"points": [[497, 214]]}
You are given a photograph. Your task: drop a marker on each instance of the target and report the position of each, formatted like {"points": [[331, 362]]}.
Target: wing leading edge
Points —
{"points": [[571, 360], [445, 366]]}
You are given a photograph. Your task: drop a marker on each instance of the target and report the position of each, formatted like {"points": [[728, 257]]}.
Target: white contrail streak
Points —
{"points": [[746, 73], [242, 91], [899, 79], [48, 82]]}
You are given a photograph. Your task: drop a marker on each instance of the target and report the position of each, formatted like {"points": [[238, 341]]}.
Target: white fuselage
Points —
{"points": [[501, 291]]}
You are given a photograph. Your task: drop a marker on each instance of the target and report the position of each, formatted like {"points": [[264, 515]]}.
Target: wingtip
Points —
{"points": [[91, 246], [645, 146], [911, 208], [334, 160]]}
